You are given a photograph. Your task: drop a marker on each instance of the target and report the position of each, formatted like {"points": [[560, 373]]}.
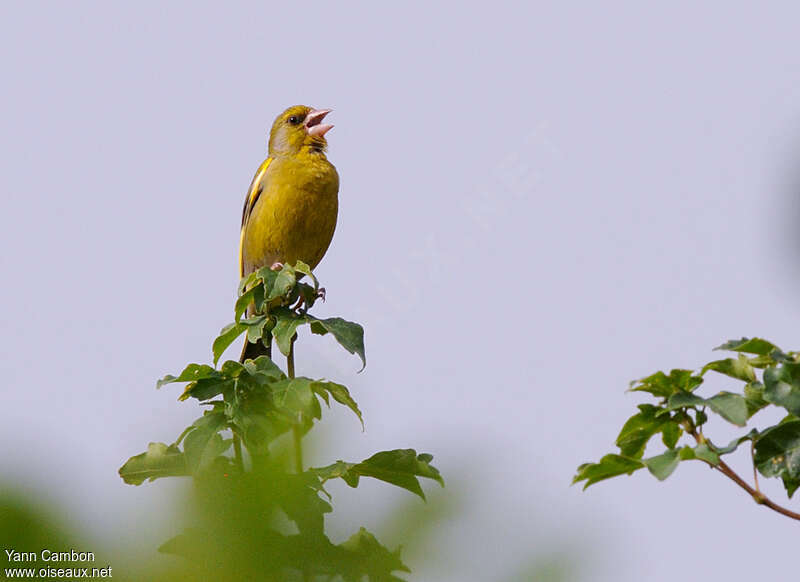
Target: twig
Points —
{"points": [[757, 496]]}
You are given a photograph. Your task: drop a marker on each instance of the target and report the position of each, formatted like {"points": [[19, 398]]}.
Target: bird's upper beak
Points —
{"points": [[313, 123]]}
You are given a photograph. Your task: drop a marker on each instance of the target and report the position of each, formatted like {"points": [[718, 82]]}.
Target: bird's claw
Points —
{"points": [[276, 266]]}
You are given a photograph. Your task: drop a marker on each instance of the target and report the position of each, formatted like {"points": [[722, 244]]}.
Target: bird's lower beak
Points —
{"points": [[313, 123]]}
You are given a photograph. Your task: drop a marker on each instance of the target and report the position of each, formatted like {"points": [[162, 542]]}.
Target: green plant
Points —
{"points": [[679, 413], [260, 513]]}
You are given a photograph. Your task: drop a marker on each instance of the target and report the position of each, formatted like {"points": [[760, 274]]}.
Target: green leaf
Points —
{"points": [[340, 470], [255, 327], [264, 367], [704, 453], [782, 387], [283, 283], [790, 484], [777, 451], [286, 325], [369, 560], [244, 301], [206, 389], [609, 466], [400, 467], [683, 400], [670, 434], [349, 335], [755, 345], [661, 385], [662, 466], [190, 373], [159, 461], [301, 267], [734, 444], [739, 368], [731, 407], [298, 401], [226, 337], [754, 397], [203, 444], [340, 393], [246, 282], [638, 430]]}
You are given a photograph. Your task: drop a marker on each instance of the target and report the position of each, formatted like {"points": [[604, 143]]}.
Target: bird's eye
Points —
{"points": [[294, 120]]}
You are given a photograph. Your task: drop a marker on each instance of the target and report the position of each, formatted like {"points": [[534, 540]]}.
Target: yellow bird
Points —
{"points": [[291, 206]]}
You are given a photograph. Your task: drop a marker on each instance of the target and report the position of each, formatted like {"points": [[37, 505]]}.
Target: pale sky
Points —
{"points": [[538, 204]]}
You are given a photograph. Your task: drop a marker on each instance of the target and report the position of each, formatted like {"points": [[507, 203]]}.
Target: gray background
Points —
{"points": [[538, 204]]}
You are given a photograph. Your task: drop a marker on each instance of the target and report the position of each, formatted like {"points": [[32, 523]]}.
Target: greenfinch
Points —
{"points": [[292, 204]]}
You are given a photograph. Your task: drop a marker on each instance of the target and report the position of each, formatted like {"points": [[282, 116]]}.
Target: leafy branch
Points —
{"points": [[251, 405], [679, 413]]}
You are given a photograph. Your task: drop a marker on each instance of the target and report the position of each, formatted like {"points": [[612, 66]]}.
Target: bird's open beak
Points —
{"points": [[313, 123]]}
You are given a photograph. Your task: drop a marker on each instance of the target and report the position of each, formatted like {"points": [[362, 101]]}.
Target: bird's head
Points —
{"points": [[299, 127]]}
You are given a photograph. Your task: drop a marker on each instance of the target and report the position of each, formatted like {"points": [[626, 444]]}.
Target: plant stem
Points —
{"points": [[298, 444], [757, 496]]}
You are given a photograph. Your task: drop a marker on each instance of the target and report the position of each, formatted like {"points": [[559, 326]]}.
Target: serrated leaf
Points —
{"points": [[400, 467], [755, 345], [226, 337], [263, 366], [777, 451], [340, 393], [661, 466], [661, 385], [190, 373], [158, 461], [255, 327], [350, 335], [739, 368], [782, 387], [286, 325], [370, 560], [607, 467], [638, 430]]}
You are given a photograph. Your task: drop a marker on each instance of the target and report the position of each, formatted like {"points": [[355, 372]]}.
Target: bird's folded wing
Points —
{"points": [[256, 187]]}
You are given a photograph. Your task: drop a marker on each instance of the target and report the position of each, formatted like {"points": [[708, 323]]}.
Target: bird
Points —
{"points": [[292, 204]]}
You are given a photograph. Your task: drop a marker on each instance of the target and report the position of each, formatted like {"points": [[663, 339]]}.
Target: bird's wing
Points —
{"points": [[256, 187]]}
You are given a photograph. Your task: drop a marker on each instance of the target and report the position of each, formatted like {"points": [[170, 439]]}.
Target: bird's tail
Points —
{"points": [[251, 351]]}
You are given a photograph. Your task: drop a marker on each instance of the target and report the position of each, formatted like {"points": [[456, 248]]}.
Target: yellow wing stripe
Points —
{"points": [[249, 202]]}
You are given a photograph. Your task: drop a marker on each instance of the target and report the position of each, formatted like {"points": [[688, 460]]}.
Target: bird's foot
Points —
{"points": [[321, 294], [276, 266]]}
